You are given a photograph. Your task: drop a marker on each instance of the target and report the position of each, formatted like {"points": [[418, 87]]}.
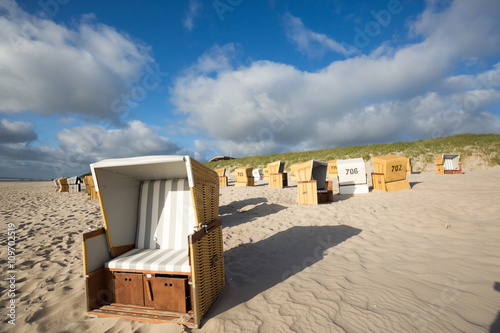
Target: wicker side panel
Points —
{"points": [[206, 193], [208, 269]]}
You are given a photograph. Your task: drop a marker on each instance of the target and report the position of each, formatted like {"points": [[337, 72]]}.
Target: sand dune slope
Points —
{"points": [[419, 260]]}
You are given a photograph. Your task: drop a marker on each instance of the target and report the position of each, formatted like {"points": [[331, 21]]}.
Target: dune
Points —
{"points": [[425, 259]]}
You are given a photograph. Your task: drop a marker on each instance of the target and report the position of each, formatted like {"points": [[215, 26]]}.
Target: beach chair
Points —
{"points": [[159, 257], [448, 164], [87, 184], [56, 184], [312, 186], [90, 188], [258, 174], [63, 184], [277, 177], [293, 171], [74, 184], [352, 176], [265, 171], [222, 176], [332, 168], [409, 167], [390, 173], [244, 177]]}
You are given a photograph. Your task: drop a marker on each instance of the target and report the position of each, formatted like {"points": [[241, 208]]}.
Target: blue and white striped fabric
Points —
{"points": [[165, 219]]}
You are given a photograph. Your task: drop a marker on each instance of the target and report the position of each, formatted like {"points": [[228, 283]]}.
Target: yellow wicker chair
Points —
{"points": [[244, 177], [278, 178], [222, 176], [448, 164], [63, 184], [312, 185], [159, 257]]}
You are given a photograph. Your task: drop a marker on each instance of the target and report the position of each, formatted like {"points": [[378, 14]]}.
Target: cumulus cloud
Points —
{"points": [[82, 145], [407, 93], [50, 68], [16, 131], [192, 13], [311, 43]]}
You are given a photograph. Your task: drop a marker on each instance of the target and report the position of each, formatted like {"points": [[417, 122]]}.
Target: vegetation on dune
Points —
{"points": [[485, 147]]}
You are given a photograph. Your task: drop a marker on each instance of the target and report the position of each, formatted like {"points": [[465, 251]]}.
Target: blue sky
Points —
{"points": [[82, 81]]}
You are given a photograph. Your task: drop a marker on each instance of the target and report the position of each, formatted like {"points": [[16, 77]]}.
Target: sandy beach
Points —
{"points": [[419, 260]]}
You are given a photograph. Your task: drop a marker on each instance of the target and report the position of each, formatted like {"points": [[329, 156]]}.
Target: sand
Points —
{"points": [[419, 260]]}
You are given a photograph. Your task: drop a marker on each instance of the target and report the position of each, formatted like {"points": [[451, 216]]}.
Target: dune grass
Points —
{"points": [[485, 147]]}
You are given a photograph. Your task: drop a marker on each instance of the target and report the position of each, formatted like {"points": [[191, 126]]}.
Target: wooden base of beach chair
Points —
{"points": [[144, 315], [278, 180], [310, 195], [250, 181], [223, 181], [440, 169], [454, 172], [378, 181]]}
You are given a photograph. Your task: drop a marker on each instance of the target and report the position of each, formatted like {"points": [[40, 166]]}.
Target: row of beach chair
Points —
{"points": [[159, 256]]}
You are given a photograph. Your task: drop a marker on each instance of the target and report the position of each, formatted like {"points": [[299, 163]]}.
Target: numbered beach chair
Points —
{"points": [[448, 164], [277, 177], [312, 185], [222, 176], [244, 177], [352, 176], [159, 257], [258, 174], [332, 168], [390, 173]]}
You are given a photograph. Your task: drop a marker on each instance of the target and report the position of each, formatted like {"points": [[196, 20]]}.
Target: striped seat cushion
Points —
{"points": [[448, 164], [152, 260], [165, 220]]}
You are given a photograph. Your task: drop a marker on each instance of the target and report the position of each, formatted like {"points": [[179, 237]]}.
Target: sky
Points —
{"points": [[82, 81]]}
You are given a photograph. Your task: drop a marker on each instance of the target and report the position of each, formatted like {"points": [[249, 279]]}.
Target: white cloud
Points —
{"points": [[82, 145], [311, 43], [50, 68], [16, 131], [392, 94], [192, 13]]}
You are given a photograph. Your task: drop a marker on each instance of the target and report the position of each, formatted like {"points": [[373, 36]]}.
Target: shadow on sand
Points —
{"points": [[253, 268], [243, 211], [495, 327]]}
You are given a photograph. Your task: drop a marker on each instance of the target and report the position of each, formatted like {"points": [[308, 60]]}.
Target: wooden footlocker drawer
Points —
{"points": [[128, 288], [166, 293]]}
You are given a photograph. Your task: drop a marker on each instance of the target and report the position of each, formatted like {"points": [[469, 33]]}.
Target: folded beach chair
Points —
{"points": [[63, 184], [244, 177], [312, 185], [390, 173], [222, 176], [332, 168], [352, 176], [278, 178], [159, 257], [448, 164], [258, 174]]}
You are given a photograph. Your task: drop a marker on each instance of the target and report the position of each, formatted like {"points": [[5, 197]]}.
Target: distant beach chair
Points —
{"points": [[293, 171], [90, 188], [265, 171], [222, 176], [244, 177], [448, 164], [332, 168], [409, 167], [56, 184], [390, 173], [277, 177], [312, 185], [63, 184], [352, 176], [74, 184], [258, 174], [159, 257]]}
